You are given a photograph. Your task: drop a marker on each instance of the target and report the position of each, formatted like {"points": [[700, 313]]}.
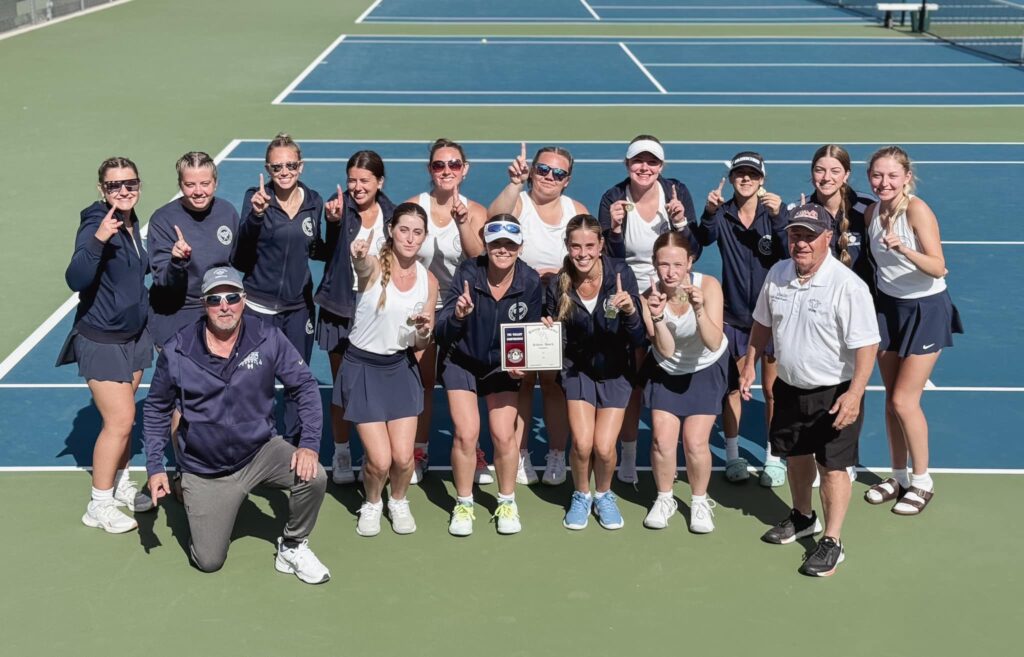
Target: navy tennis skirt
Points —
{"points": [[100, 361], [332, 332], [375, 388], [599, 393], [699, 393], [739, 340], [917, 326]]}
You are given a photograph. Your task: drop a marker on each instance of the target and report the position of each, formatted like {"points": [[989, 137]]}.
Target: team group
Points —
{"points": [[416, 293]]}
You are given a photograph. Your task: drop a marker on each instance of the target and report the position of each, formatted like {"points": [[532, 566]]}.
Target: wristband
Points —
{"points": [[658, 318]]}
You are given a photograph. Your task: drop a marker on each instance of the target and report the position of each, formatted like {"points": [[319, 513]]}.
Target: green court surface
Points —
{"points": [[154, 78]]}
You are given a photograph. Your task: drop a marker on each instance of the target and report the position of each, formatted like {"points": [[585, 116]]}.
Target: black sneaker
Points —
{"points": [[794, 527], [823, 561]]}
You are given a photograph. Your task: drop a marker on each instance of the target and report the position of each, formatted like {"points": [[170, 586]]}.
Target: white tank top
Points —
{"points": [[378, 240], [690, 355], [388, 331], [543, 244], [591, 303], [639, 236], [441, 252], [895, 274]]}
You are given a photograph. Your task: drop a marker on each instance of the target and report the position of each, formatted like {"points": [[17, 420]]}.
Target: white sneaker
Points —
{"points": [[554, 473], [419, 458], [526, 474], [301, 562], [483, 474], [462, 520], [627, 467], [369, 519], [660, 513], [341, 471], [852, 471], [401, 517], [106, 516], [127, 494], [507, 518], [817, 479], [702, 517]]}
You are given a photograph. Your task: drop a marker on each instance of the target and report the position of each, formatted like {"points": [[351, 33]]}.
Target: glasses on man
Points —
{"points": [[213, 300], [114, 186], [543, 170], [437, 166], [277, 168]]}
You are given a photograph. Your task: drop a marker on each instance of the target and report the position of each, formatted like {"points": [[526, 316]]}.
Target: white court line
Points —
{"points": [[642, 68], [54, 21], [612, 160], [518, 20], [29, 343], [568, 105], [327, 386], [525, 40], [589, 8], [447, 468], [309, 69], [889, 65], [262, 141], [729, 7], [661, 91], [369, 10], [981, 243]]}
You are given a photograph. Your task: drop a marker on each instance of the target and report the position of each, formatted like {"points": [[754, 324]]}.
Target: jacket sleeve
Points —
{"points": [[167, 271], [449, 328], [779, 228], [249, 228], [706, 231], [318, 247], [293, 372], [614, 243], [84, 267], [633, 325], [156, 414], [551, 298], [535, 302]]}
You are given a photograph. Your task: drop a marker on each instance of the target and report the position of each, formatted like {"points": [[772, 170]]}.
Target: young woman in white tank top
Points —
{"points": [[454, 235], [905, 244], [379, 386], [543, 211]]}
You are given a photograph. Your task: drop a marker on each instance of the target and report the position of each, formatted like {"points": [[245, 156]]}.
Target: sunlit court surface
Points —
{"points": [[710, 80]]}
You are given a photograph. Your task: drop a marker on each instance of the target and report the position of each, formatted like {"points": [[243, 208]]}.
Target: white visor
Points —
{"points": [[503, 230], [645, 146]]}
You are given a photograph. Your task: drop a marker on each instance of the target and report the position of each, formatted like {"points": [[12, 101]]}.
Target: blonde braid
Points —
{"points": [[384, 257], [564, 286], [844, 226]]}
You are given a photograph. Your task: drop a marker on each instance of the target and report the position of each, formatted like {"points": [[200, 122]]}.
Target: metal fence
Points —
{"points": [[16, 14]]}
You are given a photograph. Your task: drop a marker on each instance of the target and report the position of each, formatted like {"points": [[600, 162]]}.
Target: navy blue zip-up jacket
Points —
{"points": [[226, 405], [211, 234], [336, 293], [857, 231], [747, 255], [474, 343], [273, 250], [109, 278], [614, 243], [602, 348]]}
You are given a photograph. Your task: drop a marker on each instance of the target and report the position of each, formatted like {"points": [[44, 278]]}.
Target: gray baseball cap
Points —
{"points": [[222, 276]]}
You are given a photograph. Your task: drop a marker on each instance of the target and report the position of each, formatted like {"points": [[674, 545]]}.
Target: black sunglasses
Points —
{"points": [[276, 168], [437, 166], [213, 300], [557, 174], [114, 186]]}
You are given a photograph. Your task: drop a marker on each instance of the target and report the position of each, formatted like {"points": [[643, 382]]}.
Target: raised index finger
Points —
{"points": [[181, 238], [522, 150], [262, 188], [654, 285], [675, 193], [465, 288], [803, 199], [721, 186], [339, 192], [618, 283], [110, 214]]}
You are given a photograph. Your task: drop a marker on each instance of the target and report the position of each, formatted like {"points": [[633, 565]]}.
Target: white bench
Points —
{"points": [[903, 8]]}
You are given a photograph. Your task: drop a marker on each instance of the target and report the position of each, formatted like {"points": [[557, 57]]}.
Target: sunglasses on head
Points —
{"points": [[437, 166], [544, 170], [276, 168], [213, 300], [498, 226], [114, 186]]}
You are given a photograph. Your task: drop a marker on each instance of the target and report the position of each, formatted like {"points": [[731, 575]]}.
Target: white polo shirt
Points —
{"points": [[817, 326]]}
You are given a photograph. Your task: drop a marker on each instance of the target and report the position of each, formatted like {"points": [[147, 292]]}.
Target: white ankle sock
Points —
{"points": [[769, 457], [694, 499], [99, 495], [901, 476], [732, 448], [924, 481], [665, 496], [465, 500], [506, 498], [342, 448]]}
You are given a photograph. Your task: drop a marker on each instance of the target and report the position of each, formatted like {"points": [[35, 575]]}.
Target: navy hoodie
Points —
{"points": [[336, 293], [474, 343], [273, 250], [614, 243], [109, 278], [602, 348], [226, 405]]}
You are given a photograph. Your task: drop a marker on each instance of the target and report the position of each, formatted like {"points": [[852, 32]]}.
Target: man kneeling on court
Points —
{"points": [[826, 336], [219, 374]]}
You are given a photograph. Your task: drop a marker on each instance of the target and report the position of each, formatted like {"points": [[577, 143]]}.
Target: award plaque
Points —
{"points": [[531, 346]]}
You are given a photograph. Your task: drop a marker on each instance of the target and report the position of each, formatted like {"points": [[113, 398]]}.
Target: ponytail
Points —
{"points": [[385, 272], [564, 287]]}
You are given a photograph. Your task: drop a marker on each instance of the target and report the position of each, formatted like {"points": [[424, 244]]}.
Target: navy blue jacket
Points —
{"points": [[273, 250], [857, 231], [109, 278], [614, 243], [747, 255], [602, 348], [226, 405], [474, 343], [336, 293], [211, 234]]}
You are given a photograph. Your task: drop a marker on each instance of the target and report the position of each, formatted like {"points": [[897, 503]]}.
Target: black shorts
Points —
{"points": [[802, 425]]}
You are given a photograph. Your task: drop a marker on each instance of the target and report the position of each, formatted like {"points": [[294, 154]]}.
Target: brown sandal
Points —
{"points": [[888, 490], [917, 505]]}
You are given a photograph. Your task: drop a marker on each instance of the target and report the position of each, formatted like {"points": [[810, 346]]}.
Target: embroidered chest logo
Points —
{"points": [[517, 311], [252, 361], [764, 245], [309, 327], [457, 245], [814, 305], [307, 226], [224, 235]]}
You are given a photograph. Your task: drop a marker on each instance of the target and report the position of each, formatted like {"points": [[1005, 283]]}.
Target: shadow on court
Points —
{"points": [[79, 442]]}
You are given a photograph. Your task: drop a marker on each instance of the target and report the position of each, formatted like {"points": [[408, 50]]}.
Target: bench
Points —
{"points": [[918, 24]]}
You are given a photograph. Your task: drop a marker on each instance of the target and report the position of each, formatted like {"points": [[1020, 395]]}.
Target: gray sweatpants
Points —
{"points": [[212, 503]]}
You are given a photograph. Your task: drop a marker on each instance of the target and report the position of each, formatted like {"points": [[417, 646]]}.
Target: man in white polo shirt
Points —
{"points": [[822, 319]]}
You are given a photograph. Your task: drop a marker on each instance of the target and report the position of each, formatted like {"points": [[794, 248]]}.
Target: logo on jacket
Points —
{"points": [[517, 311], [457, 245], [252, 361], [309, 327], [307, 226], [224, 235], [764, 245], [852, 239]]}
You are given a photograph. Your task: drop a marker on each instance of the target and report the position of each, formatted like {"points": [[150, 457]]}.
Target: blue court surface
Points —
{"points": [[608, 11], [974, 407], [604, 71]]}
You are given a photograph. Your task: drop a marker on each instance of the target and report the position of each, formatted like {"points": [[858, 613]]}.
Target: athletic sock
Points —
{"points": [[99, 495], [422, 446], [342, 448], [665, 496], [694, 499], [468, 501], [629, 448], [506, 498], [923, 481], [769, 457], [732, 448], [902, 477]]}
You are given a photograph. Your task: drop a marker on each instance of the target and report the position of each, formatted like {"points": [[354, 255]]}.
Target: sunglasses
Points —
{"points": [[499, 226], [276, 168], [544, 170], [114, 186], [213, 300], [437, 166]]}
